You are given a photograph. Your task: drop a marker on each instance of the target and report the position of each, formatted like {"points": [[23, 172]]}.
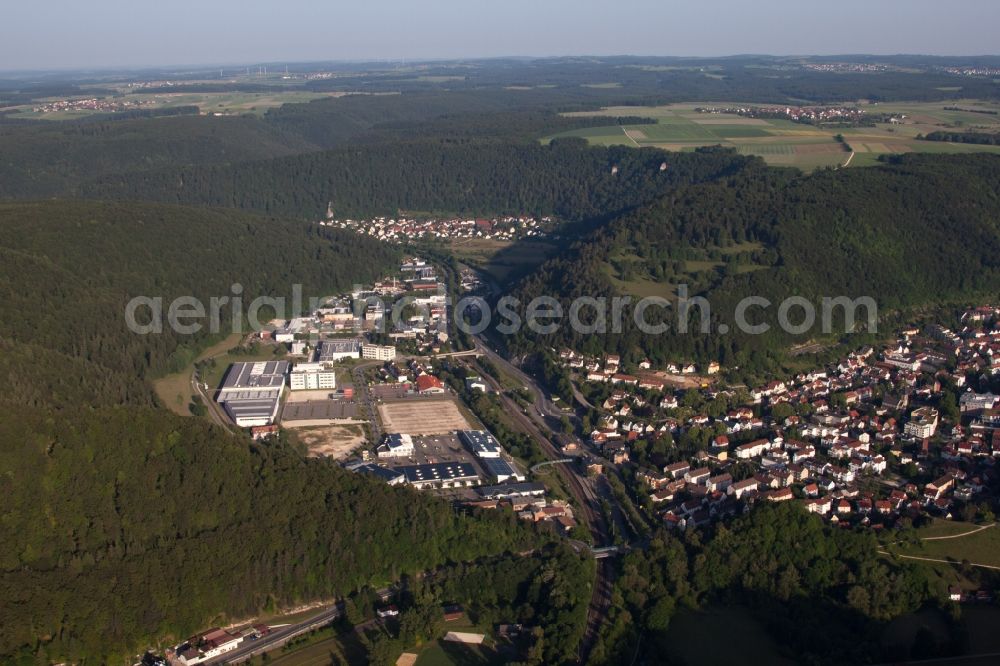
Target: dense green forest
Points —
{"points": [[546, 591], [70, 267], [124, 524], [566, 178], [919, 230], [44, 159], [822, 592], [978, 138]]}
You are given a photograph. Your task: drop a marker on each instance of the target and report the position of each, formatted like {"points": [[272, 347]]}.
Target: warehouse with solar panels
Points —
{"points": [[440, 475]]}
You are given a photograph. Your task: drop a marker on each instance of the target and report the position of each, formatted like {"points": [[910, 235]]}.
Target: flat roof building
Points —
{"points": [[378, 352], [251, 392], [331, 351], [396, 445], [500, 470], [390, 476], [312, 376], [481, 443], [440, 475], [508, 490], [923, 422]]}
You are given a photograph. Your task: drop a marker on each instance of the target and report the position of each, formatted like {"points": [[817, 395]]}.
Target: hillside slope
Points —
{"points": [[918, 231], [122, 523]]}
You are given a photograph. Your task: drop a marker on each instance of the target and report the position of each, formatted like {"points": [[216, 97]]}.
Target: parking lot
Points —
{"points": [[317, 412], [440, 448]]}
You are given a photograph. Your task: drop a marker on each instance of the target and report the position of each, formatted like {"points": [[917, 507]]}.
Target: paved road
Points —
{"points": [[364, 397], [959, 536], [932, 559], [276, 638]]}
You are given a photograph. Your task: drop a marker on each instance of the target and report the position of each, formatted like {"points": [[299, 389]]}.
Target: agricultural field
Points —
{"points": [[227, 103], [679, 127]]}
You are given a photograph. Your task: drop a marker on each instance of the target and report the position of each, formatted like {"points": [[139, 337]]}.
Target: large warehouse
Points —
{"points": [[481, 443], [440, 475], [251, 392]]}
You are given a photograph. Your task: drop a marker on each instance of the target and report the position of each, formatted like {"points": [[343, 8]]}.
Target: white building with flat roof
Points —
{"points": [[378, 352], [312, 377]]}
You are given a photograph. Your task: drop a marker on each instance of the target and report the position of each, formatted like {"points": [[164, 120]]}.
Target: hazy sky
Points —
{"points": [[86, 33]]}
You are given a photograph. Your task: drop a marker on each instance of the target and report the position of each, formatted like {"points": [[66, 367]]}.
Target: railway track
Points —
{"points": [[583, 496]]}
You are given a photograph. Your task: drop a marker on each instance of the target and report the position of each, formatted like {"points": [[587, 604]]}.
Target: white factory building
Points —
{"points": [[312, 377], [251, 392]]}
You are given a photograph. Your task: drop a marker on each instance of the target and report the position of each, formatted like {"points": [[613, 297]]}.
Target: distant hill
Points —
{"points": [[920, 230], [565, 178], [45, 158]]}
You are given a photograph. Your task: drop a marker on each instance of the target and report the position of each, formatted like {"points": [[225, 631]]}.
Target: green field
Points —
{"points": [[447, 653], [982, 547], [642, 285], [679, 127], [174, 390], [503, 260]]}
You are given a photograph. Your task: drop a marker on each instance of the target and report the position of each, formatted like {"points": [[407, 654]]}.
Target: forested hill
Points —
{"points": [[48, 159], [70, 267], [920, 230], [566, 178], [123, 523]]}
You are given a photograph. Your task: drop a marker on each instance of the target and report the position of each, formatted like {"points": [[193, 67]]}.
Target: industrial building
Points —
{"points": [[390, 476], [312, 376], [481, 443], [396, 445], [251, 392], [500, 470], [440, 475], [331, 351], [378, 352], [509, 490]]}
